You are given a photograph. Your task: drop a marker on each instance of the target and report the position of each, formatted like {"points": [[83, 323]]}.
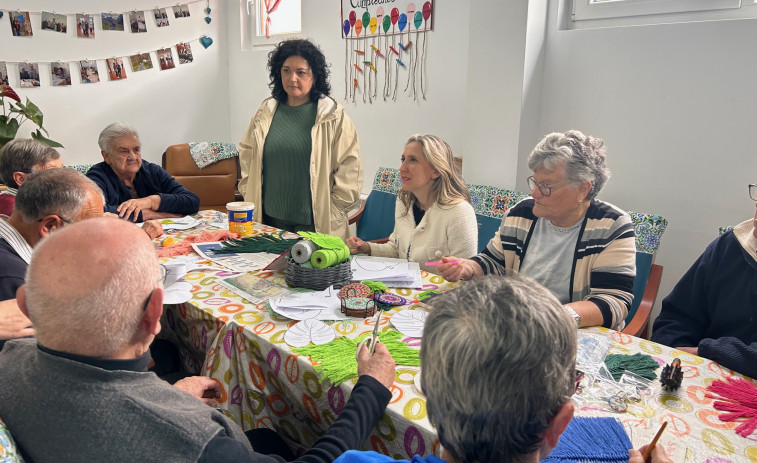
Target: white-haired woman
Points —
{"points": [[433, 215], [135, 189], [581, 248]]}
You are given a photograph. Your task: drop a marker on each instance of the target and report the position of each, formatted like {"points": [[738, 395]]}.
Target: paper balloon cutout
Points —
{"points": [[418, 20], [410, 322], [380, 13], [386, 23], [395, 15], [346, 27], [410, 10], [358, 27], [373, 25], [307, 331], [366, 19], [402, 22], [353, 18], [426, 11]]}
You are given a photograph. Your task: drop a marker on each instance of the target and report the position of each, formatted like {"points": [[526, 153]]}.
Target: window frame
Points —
{"points": [[582, 10]]}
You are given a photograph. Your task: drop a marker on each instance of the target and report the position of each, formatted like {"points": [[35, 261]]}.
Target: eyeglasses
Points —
{"points": [[753, 191], [63, 219], [544, 189]]}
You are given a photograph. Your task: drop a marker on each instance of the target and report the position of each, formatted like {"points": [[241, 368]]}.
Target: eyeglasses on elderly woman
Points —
{"points": [[753, 191], [544, 189]]}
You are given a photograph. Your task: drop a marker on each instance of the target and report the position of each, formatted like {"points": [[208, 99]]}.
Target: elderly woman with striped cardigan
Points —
{"points": [[579, 247]]}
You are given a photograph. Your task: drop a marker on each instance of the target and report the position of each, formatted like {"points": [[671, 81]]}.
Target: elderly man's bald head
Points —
{"points": [[87, 285]]}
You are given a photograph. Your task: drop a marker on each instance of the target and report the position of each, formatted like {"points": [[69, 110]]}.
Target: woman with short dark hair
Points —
{"points": [[300, 156]]}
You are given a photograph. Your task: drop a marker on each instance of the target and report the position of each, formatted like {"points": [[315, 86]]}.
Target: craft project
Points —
{"points": [[641, 364], [307, 331], [336, 360], [305, 305], [591, 440], [410, 322], [272, 243], [364, 50], [358, 306], [672, 376], [737, 397], [303, 250]]}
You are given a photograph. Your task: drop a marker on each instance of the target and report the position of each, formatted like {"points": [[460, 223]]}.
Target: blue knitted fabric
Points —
{"points": [[588, 440]]}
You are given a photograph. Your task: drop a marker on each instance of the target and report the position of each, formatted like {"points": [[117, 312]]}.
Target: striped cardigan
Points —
{"points": [[604, 262]]}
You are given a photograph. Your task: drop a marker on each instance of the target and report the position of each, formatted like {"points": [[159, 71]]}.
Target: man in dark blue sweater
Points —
{"points": [[712, 311], [135, 189]]}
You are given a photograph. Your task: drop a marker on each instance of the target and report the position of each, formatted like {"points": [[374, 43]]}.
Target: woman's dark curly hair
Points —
{"points": [[314, 57]]}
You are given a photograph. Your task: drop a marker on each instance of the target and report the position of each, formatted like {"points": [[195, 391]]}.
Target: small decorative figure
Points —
{"points": [[671, 376]]}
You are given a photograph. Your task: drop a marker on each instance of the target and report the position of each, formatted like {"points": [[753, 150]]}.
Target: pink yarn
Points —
{"points": [[738, 397], [185, 247]]}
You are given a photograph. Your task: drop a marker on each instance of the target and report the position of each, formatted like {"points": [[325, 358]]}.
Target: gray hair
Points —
{"points": [[62, 192], [498, 359], [582, 155], [21, 155], [115, 130], [100, 322]]}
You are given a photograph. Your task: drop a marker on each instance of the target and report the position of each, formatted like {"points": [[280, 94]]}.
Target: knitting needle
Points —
{"points": [[440, 263], [649, 449]]}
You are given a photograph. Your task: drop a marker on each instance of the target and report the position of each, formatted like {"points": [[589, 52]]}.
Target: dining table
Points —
{"points": [[264, 382]]}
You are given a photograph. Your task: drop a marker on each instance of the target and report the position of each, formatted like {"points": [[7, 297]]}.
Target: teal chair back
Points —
{"points": [[490, 204], [377, 219], [649, 229]]}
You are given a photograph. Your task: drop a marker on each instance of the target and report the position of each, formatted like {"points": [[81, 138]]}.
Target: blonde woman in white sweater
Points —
{"points": [[433, 216]]}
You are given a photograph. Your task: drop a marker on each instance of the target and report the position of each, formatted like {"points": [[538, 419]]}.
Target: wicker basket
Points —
{"points": [[318, 279]]}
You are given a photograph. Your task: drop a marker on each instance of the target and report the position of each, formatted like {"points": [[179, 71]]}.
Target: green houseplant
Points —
{"points": [[16, 113]]}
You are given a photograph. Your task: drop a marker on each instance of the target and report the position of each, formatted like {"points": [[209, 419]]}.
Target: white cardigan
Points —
{"points": [[443, 231]]}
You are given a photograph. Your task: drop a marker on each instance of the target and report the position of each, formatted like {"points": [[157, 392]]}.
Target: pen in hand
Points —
{"points": [[649, 449]]}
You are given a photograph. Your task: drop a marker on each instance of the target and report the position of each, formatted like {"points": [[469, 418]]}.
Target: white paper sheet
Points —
{"points": [[395, 273], [241, 263], [307, 331], [410, 322], [180, 223]]}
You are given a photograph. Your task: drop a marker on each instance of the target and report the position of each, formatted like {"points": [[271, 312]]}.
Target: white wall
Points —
{"points": [[473, 95], [676, 105], [182, 104]]}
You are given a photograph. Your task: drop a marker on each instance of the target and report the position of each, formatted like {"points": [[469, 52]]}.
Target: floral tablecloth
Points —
{"points": [[264, 384], [692, 420]]}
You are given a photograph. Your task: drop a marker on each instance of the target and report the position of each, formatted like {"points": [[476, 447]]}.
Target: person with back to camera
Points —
{"points": [[494, 393], [579, 247], [81, 391], [433, 215], [135, 189], [300, 157]]}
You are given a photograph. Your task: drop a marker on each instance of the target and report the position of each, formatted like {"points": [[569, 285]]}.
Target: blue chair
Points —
{"points": [[490, 204], [375, 218], [649, 229]]}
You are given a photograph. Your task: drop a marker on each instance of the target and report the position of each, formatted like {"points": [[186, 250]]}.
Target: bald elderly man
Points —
{"points": [[81, 392]]}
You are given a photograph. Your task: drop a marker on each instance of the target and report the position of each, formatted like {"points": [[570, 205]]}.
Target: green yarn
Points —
{"points": [[641, 364], [376, 286], [337, 358], [323, 240], [268, 242]]}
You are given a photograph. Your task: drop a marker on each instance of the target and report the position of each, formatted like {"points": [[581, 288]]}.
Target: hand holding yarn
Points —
{"points": [[357, 245], [380, 365]]}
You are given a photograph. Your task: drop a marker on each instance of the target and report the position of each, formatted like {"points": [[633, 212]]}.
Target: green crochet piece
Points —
{"points": [[268, 242], [376, 286], [641, 364], [337, 358], [323, 240]]}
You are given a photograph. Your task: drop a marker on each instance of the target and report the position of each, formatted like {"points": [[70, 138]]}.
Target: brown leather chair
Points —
{"points": [[215, 184]]}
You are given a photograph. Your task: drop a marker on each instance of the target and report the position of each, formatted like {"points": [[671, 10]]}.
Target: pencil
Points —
{"points": [[654, 441]]}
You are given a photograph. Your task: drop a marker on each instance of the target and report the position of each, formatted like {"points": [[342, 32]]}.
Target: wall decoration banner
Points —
{"points": [[384, 40]]}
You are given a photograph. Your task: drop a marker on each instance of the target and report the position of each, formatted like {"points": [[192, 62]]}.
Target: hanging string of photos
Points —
{"points": [[403, 55], [29, 72]]}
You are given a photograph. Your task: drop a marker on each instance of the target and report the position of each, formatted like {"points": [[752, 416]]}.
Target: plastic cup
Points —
{"points": [[240, 217]]}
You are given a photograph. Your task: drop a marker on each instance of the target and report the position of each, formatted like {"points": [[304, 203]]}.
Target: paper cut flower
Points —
{"points": [[16, 113]]}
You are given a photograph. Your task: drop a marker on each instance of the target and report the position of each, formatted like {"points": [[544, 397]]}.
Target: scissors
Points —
{"points": [[373, 340]]}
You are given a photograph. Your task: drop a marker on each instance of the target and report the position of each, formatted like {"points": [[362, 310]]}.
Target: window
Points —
{"points": [[285, 21], [607, 13]]}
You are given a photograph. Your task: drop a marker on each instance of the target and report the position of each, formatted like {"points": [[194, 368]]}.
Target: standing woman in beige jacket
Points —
{"points": [[300, 156]]}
